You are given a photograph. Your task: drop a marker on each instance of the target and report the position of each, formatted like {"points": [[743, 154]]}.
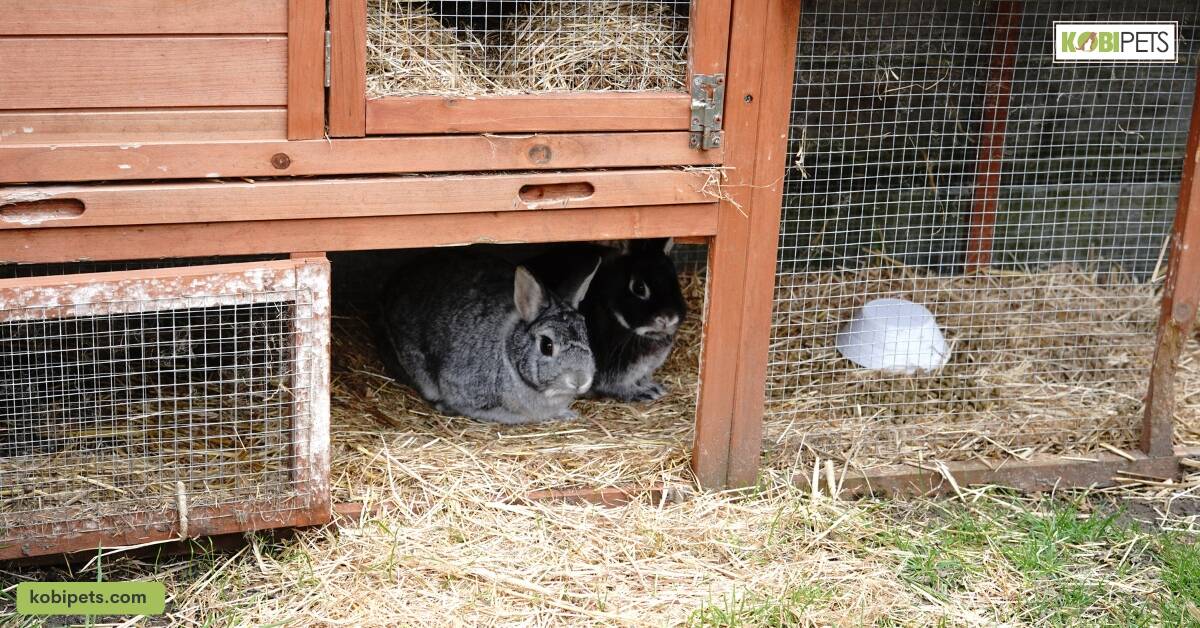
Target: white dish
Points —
{"points": [[894, 335]]}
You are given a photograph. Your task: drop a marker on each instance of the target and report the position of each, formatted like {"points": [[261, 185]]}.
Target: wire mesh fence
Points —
{"points": [[469, 48], [939, 156], [118, 404]]}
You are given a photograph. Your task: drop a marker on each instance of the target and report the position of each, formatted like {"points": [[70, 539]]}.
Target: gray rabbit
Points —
{"points": [[477, 336]]}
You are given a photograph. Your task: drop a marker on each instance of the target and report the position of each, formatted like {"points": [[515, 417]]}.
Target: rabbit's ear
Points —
{"points": [[527, 295], [652, 246], [574, 292]]}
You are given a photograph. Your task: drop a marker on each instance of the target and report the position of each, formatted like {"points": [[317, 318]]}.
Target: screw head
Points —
{"points": [[281, 161], [748, 98]]}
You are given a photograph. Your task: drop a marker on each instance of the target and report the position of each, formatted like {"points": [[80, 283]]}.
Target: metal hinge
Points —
{"points": [[708, 101], [328, 59]]}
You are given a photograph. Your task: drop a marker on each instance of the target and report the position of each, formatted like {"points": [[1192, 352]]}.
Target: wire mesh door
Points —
{"points": [[149, 404], [525, 46], [973, 236], [436, 66]]}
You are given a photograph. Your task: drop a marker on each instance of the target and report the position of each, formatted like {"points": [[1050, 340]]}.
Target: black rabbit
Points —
{"points": [[633, 309]]}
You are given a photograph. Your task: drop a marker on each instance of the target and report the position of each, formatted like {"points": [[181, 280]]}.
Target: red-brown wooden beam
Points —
{"points": [[726, 265], [991, 135], [770, 165], [348, 68], [306, 69], [1181, 294]]}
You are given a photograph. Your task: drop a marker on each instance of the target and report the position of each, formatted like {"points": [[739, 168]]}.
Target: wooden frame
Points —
{"points": [[176, 288], [567, 112]]}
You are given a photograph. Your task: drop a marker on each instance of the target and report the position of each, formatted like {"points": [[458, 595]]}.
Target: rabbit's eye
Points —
{"points": [[546, 345], [639, 289]]}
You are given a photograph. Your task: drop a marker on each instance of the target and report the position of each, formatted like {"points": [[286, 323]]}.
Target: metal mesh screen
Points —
{"points": [[468, 48], [136, 405], [940, 156]]}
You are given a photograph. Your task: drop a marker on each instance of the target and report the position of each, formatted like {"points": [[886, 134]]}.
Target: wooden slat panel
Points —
{"points": [[466, 153], [120, 17], [589, 111], [139, 125], [347, 234], [48, 73], [320, 198], [306, 69], [348, 68]]}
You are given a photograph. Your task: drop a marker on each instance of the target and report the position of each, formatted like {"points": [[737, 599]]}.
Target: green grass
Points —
{"points": [[1180, 569], [753, 609], [1069, 564]]}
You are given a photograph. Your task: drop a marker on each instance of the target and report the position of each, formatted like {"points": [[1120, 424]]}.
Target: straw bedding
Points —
{"points": [[384, 435], [1049, 362], [409, 52], [569, 46]]}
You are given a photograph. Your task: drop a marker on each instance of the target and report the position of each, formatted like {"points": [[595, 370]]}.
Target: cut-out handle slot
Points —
{"points": [[543, 193], [35, 212]]}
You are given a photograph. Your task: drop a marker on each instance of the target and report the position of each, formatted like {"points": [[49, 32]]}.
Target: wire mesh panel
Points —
{"points": [[161, 403], [469, 48], [1012, 211]]}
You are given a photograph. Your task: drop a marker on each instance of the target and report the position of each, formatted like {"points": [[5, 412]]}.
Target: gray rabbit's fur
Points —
{"points": [[470, 332]]}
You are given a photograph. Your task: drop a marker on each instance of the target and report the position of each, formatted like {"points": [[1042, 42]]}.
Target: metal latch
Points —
{"points": [[708, 101], [328, 59]]}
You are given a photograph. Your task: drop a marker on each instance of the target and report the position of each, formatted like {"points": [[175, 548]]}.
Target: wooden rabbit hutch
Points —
{"points": [[157, 130], [168, 132]]}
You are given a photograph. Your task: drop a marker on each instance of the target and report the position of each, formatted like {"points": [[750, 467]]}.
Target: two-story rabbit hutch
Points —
{"points": [[175, 173]]}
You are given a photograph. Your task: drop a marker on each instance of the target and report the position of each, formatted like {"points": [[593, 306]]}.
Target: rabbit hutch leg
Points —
{"points": [[1181, 293], [742, 255], [771, 87]]}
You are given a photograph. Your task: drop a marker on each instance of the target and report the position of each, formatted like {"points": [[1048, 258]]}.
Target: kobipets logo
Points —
{"points": [[1115, 41]]}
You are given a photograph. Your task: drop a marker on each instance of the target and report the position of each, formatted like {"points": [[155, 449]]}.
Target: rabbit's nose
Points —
{"points": [[667, 323]]}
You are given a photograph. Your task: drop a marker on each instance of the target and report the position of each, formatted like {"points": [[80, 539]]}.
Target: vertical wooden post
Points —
{"points": [[1181, 293], [348, 68], [727, 250], [774, 94], [708, 46], [728, 253], [306, 69], [991, 134]]}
